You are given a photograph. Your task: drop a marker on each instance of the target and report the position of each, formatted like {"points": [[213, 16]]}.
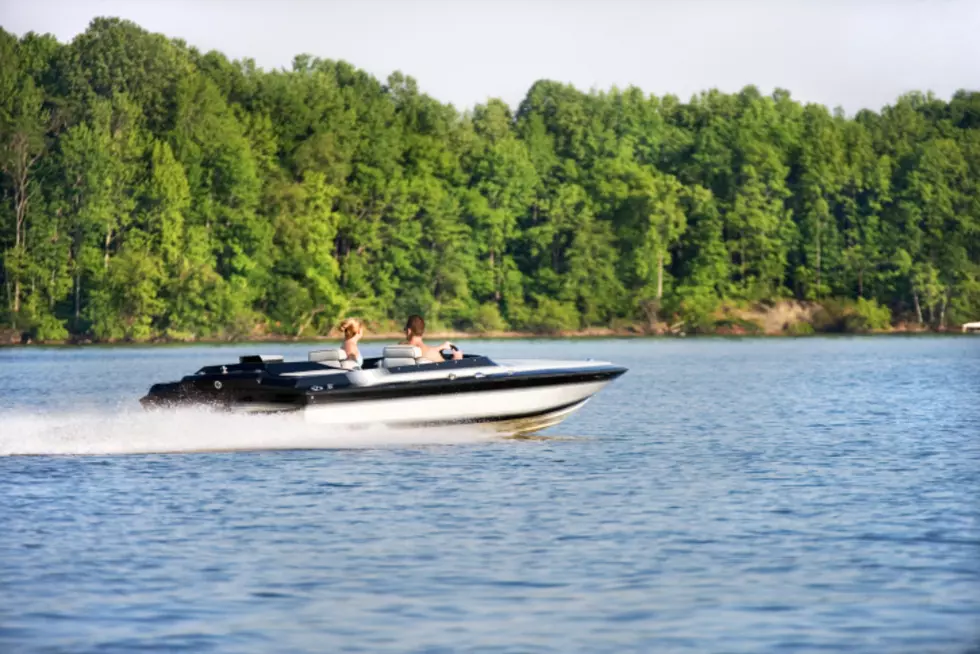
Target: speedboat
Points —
{"points": [[397, 389]]}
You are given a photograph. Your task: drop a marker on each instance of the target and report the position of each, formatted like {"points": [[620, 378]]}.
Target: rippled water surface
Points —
{"points": [[723, 496]]}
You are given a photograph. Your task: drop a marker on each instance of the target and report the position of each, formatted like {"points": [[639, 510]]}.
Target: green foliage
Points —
{"points": [[848, 316], [801, 328], [550, 316], [696, 307], [149, 190], [868, 316], [126, 302], [488, 319]]}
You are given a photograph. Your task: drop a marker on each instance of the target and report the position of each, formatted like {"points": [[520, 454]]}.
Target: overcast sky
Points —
{"points": [[857, 53]]}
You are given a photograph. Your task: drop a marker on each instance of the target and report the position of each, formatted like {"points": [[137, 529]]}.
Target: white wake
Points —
{"points": [[139, 432]]}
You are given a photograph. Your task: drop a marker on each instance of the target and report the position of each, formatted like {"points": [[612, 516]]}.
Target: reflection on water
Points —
{"points": [[724, 495]]}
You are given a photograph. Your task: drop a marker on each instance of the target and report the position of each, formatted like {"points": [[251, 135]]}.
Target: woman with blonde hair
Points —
{"points": [[353, 331]]}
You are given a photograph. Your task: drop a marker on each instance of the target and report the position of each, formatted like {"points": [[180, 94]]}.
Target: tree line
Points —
{"points": [[152, 190]]}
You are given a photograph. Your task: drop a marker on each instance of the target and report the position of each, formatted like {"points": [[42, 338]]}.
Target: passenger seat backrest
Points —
{"points": [[400, 355], [334, 358]]}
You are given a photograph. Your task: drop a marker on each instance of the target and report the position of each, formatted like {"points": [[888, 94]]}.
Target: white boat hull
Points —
{"points": [[518, 410]]}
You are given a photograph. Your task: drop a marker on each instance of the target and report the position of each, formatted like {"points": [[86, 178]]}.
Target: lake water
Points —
{"points": [[723, 496]]}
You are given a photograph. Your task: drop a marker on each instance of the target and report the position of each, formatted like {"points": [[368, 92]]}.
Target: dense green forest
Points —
{"points": [[151, 190]]}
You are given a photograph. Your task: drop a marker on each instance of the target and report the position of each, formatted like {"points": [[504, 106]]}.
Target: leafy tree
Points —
{"points": [[23, 124], [152, 190]]}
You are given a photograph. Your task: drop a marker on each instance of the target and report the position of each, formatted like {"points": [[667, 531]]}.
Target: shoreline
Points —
{"points": [[379, 337], [782, 319]]}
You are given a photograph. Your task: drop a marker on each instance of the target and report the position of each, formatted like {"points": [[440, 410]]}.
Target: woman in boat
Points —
{"points": [[353, 331], [414, 329]]}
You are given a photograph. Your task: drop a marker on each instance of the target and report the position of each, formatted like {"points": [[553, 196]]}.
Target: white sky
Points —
{"points": [[857, 53]]}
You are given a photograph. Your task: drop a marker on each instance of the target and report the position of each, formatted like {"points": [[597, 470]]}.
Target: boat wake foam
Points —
{"points": [[195, 430]]}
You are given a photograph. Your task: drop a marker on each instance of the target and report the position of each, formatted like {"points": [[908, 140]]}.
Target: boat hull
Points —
{"points": [[516, 398], [518, 411]]}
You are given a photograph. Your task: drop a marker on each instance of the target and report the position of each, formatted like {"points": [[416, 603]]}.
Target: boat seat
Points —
{"points": [[401, 355], [333, 358]]}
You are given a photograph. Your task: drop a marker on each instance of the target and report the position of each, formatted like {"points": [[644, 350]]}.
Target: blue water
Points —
{"points": [[723, 496]]}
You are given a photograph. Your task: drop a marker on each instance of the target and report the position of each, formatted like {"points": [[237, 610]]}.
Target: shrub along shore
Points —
{"points": [[153, 192], [787, 318]]}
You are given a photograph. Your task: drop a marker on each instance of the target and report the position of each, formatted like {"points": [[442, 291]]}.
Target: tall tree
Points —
{"points": [[148, 189], [23, 122]]}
